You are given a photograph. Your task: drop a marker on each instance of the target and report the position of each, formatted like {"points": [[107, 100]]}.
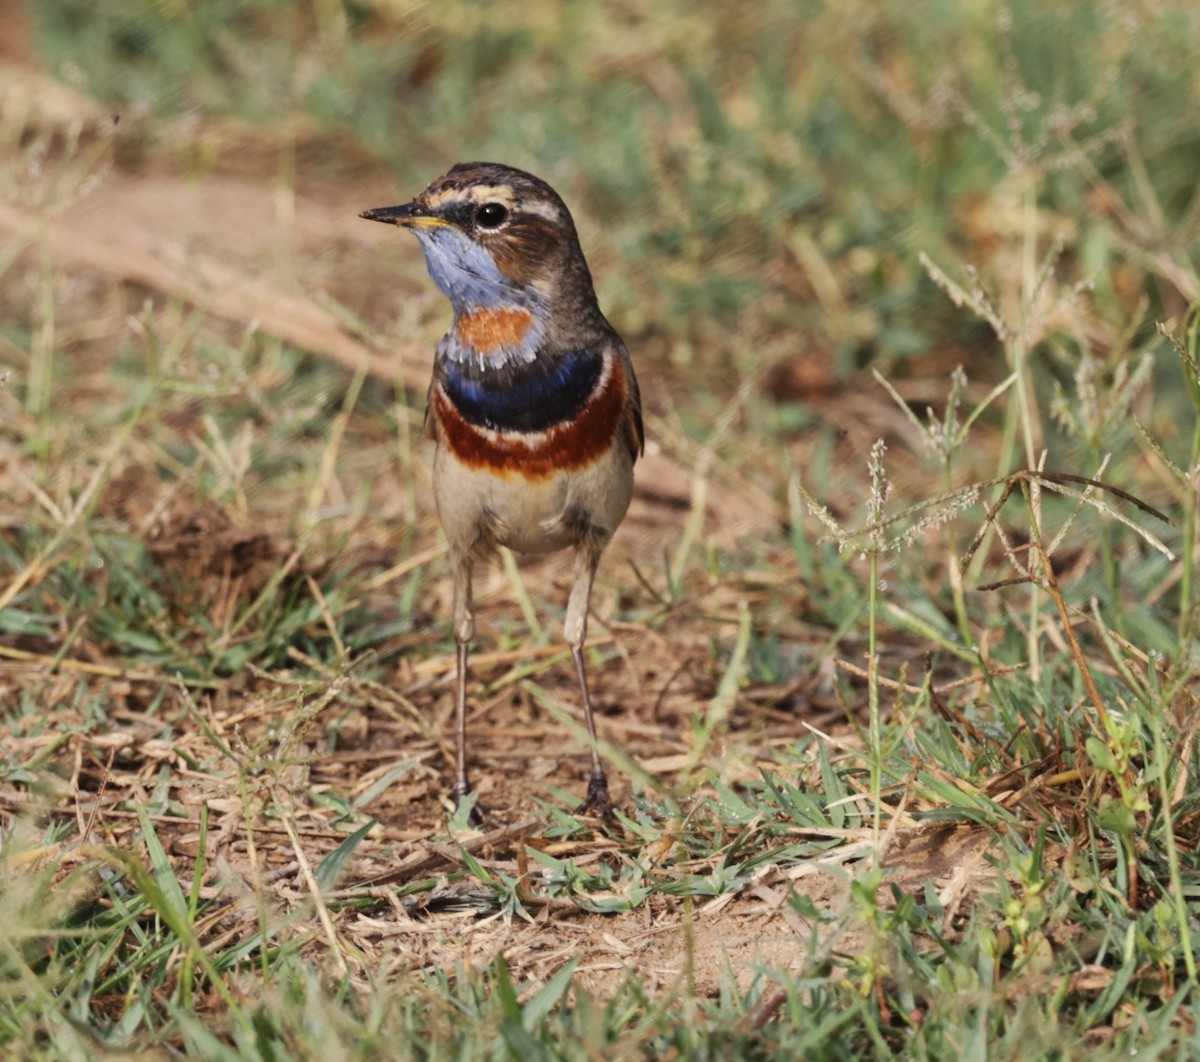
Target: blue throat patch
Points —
{"points": [[467, 274], [524, 397], [471, 281]]}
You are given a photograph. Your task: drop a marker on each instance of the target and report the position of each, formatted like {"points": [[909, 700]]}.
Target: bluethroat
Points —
{"points": [[533, 406]]}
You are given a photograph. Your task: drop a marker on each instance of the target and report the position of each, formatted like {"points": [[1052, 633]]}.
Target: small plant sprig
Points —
{"points": [[945, 438]]}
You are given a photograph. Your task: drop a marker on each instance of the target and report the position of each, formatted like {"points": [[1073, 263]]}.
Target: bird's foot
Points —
{"points": [[597, 799], [466, 806]]}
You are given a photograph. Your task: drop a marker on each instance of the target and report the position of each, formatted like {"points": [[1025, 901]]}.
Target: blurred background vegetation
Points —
{"points": [[760, 178]]}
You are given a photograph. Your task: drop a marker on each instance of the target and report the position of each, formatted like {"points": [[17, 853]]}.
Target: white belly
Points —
{"points": [[481, 509]]}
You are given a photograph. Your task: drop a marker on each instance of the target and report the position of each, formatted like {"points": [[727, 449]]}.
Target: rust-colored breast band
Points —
{"points": [[564, 447]]}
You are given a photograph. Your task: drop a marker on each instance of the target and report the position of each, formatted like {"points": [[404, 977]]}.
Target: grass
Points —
{"points": [[896, 655]]}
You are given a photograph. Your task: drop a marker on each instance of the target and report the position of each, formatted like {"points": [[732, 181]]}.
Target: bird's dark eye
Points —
{"points": [[491, 216]]}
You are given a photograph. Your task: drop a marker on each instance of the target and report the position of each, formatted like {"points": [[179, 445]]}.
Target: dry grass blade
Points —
{"points": [[204, 281]]}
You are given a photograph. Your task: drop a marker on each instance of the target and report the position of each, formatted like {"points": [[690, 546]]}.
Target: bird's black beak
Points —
{"points": [[407, 215]]}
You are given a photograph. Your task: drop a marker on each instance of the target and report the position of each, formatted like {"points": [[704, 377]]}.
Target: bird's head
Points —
{"points": [[495, 237]]}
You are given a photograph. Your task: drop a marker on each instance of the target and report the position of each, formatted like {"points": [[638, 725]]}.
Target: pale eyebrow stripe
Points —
{"points": [[482, 193], [476, 194], [542, 208], [501, 193]]}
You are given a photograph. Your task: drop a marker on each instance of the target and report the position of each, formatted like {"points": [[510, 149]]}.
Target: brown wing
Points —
{"points": [[634, 429], [429, 427]]}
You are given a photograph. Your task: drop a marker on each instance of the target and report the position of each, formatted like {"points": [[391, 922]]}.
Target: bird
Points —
{"points": [[533, 406]]}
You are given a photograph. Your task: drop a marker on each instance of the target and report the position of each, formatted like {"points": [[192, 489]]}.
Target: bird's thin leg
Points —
{"points": [[464, 631], [461, 788], [575, 629]]}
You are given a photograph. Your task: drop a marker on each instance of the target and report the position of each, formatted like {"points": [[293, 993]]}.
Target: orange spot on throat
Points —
{"points": [[489, 330]]}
